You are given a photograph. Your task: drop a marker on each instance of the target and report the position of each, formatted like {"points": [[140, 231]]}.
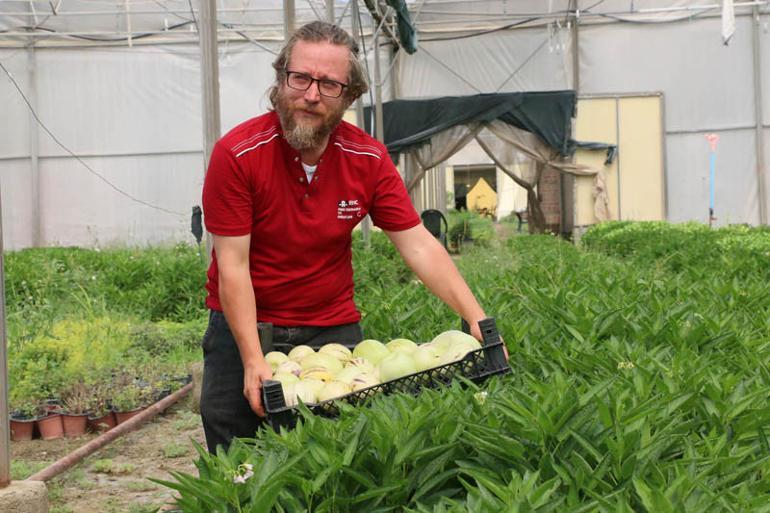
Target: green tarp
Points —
{"points": [[407, 35], [411, 123]]}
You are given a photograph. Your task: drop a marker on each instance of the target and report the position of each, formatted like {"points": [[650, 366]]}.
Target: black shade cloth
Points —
{"points": [[407, 34], [411, 123], [611, 149]]}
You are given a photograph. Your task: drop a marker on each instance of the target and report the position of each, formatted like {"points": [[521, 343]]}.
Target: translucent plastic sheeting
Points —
{"points": [[77, 209], [17, 204], [110, 19], [764, 52], [736, 181], [14, 132], [521, 60], [706, 84], [766, 137]]}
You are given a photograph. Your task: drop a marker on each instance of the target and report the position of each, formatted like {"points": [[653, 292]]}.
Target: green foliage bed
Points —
{"points": [[100, 320], [640, 383]]}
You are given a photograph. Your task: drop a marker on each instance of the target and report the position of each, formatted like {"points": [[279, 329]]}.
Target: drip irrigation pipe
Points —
{"points": [[97, 443]]}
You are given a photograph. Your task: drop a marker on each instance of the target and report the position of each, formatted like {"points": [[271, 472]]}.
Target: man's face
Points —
{"points": [[307, 117]]}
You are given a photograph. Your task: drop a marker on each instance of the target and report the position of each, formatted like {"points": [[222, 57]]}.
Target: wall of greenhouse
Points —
{"points": [[130, 110]]}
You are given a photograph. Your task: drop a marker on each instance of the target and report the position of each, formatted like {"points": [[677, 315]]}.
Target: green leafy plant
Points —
{"points": [[127, 394], [639, 384]]}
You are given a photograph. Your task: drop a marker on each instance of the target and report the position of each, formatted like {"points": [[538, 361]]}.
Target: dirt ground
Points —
{"points": [[115, 478]]}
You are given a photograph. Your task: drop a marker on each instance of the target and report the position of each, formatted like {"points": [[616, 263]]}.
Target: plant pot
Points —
{"points": [[123, 416], [51, 426], [52, 405], [102, 423], [74, 425], [22, 429]]}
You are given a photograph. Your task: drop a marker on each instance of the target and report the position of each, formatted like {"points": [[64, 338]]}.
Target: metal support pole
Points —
{"points": [[34, 148], [759, 116], [129, 36], [288, 19], [379, 128], [569, 212], [5, 429], [356, 28], [393, 72], [330, 11], [576, 48], [207, 27]]}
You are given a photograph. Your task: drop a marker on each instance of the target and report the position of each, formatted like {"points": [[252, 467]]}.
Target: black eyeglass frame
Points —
{"points": [[312, 79]]}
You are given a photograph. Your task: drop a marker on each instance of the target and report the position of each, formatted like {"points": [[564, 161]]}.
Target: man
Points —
{"points": [[282, 195]]}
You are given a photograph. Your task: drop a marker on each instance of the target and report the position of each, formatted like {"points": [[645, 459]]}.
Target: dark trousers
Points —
{"points": [[224, 409]]}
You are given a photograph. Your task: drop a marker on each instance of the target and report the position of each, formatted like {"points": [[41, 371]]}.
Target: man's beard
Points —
{"points": [[303, 136]]}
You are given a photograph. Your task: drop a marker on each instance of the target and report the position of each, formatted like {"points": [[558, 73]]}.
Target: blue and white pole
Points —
{"points": [[712, 139]]}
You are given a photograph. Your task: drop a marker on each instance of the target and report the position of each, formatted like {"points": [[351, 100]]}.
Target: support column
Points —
{"points": [[207, 28], [575, 47], [379, 128], [5, 430], [288, 19], [759, 116], [568, 182], [34, 149], [356, 28]]}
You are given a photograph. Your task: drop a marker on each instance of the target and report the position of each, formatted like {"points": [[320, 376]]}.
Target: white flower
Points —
{"points": [[244, 472]]}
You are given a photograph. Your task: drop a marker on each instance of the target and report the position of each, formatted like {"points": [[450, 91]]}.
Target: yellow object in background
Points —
{"points": [[482, 198]]}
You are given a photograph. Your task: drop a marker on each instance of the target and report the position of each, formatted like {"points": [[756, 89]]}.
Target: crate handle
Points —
{"points": [[491, 343], [275, 405]]}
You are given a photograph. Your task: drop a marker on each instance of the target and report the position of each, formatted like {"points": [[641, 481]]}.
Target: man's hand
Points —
{"points": [[476, 333], [253, 376]]}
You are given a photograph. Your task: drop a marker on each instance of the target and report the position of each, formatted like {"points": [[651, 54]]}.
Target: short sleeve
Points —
{"points": [[392, 208], [227, 195]]}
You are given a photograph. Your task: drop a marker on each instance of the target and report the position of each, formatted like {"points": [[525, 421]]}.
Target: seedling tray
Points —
{"points": [[476, 366]]}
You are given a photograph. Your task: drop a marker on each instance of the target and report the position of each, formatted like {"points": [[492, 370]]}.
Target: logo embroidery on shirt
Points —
{"points": [[348, 209]]}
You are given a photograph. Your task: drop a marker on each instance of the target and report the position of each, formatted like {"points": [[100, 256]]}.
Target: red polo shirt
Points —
{"points": [[300, 255]]}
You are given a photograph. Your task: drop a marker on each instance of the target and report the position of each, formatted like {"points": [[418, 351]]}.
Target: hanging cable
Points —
{"points": [[56, 140], [490, 31], [453, 72], [94, 38], [192, 13], [529, 58]]}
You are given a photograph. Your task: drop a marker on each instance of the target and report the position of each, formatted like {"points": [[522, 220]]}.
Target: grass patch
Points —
{"points": [[21, 469], [175, 450], [140, 486], [186, 421]]}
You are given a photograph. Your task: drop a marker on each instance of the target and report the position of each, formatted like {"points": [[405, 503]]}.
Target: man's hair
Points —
{"points": [[317, 32]]}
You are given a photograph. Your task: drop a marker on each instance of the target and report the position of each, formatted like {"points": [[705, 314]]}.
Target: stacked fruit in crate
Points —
{"points": [[335, 371]]}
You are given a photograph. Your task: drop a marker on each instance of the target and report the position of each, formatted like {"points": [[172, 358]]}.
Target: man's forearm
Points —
{"points": [[237, 297], [442, 278]]}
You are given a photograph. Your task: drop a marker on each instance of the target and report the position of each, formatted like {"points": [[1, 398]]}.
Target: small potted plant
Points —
{"points": [[24, 413], [76, 399], [101, 417], [128, 401]]}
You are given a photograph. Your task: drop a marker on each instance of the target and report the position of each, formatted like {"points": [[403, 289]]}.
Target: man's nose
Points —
{"points": [[312, 93]]}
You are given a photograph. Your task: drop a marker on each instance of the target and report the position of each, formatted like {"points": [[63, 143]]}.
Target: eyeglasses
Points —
{"points": [[302, 82]]}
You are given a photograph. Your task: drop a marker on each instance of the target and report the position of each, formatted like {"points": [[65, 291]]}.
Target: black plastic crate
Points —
{"points": [[476, 366]]}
